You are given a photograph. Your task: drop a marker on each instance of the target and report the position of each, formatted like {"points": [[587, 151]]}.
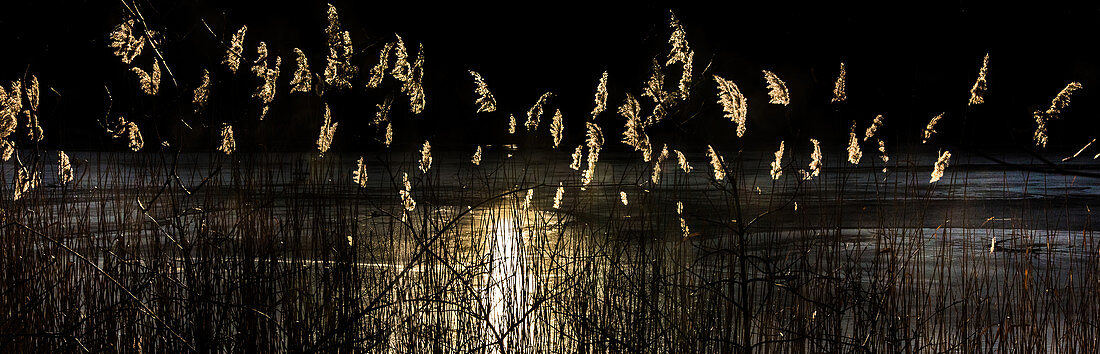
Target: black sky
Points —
{"points": [[906, 61]]}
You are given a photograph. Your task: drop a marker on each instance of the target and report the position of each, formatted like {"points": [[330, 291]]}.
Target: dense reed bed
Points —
{"points": [[530, 245]]}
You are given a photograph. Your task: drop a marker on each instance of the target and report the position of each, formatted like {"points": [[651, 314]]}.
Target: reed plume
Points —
{"points": [[622, 198], [558, 195], [401, 66], [680, 53], [931, 128], [557, 128], [633, 134], [594, 140], [733, 103], [977, 92], [134, 134], [716, 163], [303, 80], [378, 72], [267, 76], [413, 87], [875, 124], [476, 159], [339, 71], [485, 101], [815, 162], [882, 154], [656, 175], [229, 144], [64, 168], [577, 156], [32, 93], [854, 153], [601, 96], [328, 129], [235, 50], [389, 134], [382, 112], [406, 194], [126, 43], [777, 165], [839, 95], [150, 82], [202, 92], [426, 157], [511, 124], [8, 149], [1057, 105], [685, 230], [654, 88], [777, 89], [535, 113], [359, 175], [11, 105], [34, 129], [941, 164], [25, 181], [682, 160]]}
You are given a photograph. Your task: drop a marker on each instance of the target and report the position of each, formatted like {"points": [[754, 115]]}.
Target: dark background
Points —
{"points": [[908, 62]]}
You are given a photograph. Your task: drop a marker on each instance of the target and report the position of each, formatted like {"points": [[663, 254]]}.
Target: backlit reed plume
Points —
{"points": [[716, 163], [622, 198], [229, 144], [682, 160], [632, 135], [267, 76], [875, 124], [406, 194], [680, 53], [7, 149], [656, 175], [328, 129], [557, 128], [854, 153], [882, 154], [838, 88], [601, 96], [535, 113], [992, 243], [202, 92], [401, 66], [378, 72], [594, 140], [25, 181], [977, 92], [815, 162], [941, 164], [127, 44], [426, 157], [511, 124], [235, 51], [382, 112], [134, 135], [339, 71], [777, 89], [34, 129], [11, 105], [303, 80], [413, 87], [733, 103], [64, 168], [777, 165], [930, 129], [1060, 102], [558, 195], [485, 101], [476, 159], [655, 89], [578, 154], [150, 81], [359, 175], [527, 199], [389, 134]]}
